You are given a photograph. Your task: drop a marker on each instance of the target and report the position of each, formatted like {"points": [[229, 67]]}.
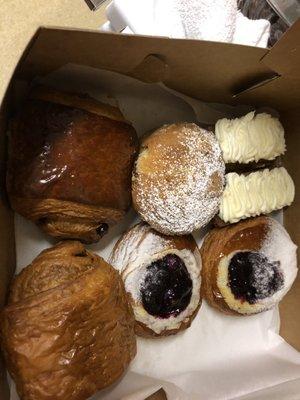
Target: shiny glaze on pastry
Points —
{"points": [[69, 150]]}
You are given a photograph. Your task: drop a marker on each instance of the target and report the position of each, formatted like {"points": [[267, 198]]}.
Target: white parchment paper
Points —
{"points": [[219, 357]]}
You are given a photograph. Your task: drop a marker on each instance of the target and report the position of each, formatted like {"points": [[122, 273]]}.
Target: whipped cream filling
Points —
{"points": [[250, 138], [277, 246], [134, 276], [258, 193]]}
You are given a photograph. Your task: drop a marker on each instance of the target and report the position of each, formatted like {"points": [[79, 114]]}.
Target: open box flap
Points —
{"points": [[284, 57], [210, 71], [207, 70]]}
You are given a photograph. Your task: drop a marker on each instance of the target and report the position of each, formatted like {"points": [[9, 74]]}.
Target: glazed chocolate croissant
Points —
{"points": [[70, 164], [68, 329]]}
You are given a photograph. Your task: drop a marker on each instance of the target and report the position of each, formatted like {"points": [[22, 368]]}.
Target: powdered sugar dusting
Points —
{"points": [[136, 243], [179, 179], [136, 250], [253, 277], [279, 247], [280, 251], [262, 278]]}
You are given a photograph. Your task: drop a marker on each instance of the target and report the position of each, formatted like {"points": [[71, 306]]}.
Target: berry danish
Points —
{"points": [[248, 267], [162, 276]]}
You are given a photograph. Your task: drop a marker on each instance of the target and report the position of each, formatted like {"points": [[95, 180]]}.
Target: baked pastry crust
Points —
{"points": [[140, 241], [70, 164], [178, 178], [68, 329], [248, 235]]}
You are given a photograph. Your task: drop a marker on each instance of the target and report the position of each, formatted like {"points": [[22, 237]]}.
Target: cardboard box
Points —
{"points": [[213, 72]]}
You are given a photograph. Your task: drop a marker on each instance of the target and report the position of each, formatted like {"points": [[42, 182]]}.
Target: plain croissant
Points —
{"points": [[68, 329]]}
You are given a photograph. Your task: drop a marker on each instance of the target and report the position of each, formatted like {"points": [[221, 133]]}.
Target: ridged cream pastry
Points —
{"points": [[251, 139], [248, 267], [260, 192], [162, 277]]}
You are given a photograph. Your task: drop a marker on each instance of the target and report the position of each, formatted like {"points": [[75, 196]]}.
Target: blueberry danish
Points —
{"points": [[162, 276], [248, 267]]}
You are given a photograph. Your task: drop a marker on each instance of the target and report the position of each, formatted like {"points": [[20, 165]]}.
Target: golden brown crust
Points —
{"points": [[69, 170], [64, 262], [68, 330], [178, 178], [139, 233], [65, 219], [83, 102], [245, 235], [128, 249]]}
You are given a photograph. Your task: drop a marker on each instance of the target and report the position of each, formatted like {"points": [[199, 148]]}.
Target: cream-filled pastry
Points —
{"points": [[260, 192], [251, 138], [248, 267], [178, 178], [162, 277]]}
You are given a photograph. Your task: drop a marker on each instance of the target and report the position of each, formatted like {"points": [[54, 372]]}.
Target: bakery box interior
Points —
{"points": [[212, 72]]}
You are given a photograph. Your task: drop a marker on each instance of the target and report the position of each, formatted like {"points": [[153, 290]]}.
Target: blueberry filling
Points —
{"points": [[252, 276], [167, 287], [102, 229]]}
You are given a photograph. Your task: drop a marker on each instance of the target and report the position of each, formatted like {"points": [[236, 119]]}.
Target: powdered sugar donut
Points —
{"points": [[178, 179], [162, 277], [248, 267]]}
